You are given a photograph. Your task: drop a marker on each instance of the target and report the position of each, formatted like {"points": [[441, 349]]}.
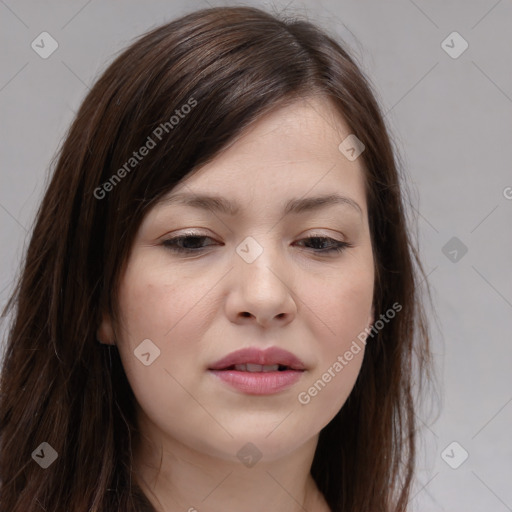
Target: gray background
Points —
{"points": [[451, 119]]}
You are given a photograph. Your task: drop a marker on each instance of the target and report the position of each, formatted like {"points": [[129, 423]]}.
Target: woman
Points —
{"points": [[270, 369]]}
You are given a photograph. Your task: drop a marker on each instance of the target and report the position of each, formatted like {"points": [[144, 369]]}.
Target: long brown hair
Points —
{"points": [[60, 386]]}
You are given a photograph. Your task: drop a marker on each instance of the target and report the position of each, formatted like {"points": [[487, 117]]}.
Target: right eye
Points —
{"points": [[189, 240]]}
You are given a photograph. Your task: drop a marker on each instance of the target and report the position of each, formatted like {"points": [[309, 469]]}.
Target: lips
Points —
{"points": [[257, 360], [259, 372]]}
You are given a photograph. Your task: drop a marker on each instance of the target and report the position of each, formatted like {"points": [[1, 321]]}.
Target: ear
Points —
{"points": [[105, 333]]}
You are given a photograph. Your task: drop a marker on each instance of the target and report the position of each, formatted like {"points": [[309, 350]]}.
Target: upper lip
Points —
{"points": [[270, 356]]}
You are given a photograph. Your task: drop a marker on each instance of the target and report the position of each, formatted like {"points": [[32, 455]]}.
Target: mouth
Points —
{"points": [[258, 368], [258, 372], [258, 360]]}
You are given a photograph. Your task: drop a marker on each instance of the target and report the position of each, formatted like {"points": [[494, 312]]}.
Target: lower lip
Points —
{"points": [[259, 383]]}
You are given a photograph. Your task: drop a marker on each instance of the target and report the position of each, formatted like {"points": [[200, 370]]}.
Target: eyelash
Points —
{"points": [[171, 244]]}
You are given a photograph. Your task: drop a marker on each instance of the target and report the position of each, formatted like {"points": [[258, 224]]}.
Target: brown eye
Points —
{"points": [[335, 245], [185, 243]]}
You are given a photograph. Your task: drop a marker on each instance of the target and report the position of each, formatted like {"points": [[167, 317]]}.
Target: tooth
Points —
{"points": [[254, 367]]}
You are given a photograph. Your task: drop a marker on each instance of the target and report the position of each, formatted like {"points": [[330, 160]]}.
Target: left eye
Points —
{"points": [[335, 245], [175, 244]]}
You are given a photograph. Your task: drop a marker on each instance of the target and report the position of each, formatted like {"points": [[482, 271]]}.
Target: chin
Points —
{"points": [[268, 444]]}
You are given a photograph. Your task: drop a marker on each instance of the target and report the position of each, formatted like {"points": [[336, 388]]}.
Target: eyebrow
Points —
{"points": [[293, 206]]}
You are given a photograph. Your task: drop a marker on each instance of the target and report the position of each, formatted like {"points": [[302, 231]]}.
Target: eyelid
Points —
{"points": [[192, 232], [311, 232], [336, 246]]}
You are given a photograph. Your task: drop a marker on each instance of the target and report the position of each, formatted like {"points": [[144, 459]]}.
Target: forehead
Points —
{"points": [[306, 129], [289, 154]]}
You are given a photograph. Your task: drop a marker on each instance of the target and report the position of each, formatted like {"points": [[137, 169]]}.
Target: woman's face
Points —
{"points": [[260, 279]]}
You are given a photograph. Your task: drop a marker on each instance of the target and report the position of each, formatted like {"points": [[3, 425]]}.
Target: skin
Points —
{"points": [[198, 308]]}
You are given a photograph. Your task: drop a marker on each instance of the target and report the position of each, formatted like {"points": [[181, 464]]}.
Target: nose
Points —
{"points": [[260, 291]]}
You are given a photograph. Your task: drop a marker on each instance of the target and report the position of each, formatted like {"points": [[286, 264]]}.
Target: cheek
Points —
{"points": [[348, 310], [327, 390], [155, 302], [154, 308], [343, 304], [170, 308]]}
